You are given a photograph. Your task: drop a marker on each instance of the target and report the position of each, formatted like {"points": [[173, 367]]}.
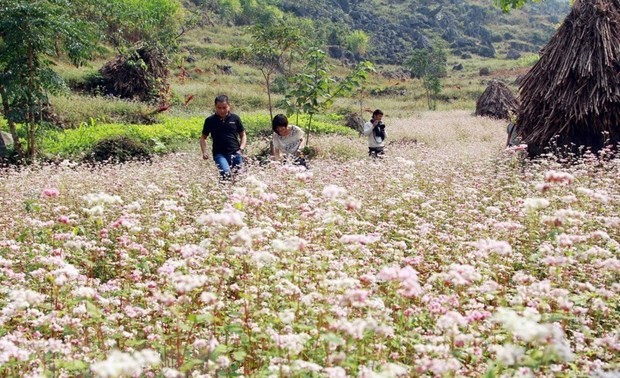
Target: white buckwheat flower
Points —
{"points": [[531, 204]]}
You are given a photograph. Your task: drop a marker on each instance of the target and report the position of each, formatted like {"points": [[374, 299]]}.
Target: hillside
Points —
{"points": [[396, 27]]}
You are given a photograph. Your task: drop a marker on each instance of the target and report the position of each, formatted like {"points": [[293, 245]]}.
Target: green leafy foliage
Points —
{"points": [[153, 23], [429, 65], [313, 90], [357, 42], [507, 5], [31, 32]]}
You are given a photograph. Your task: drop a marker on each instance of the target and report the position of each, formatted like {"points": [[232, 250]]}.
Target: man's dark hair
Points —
{"points": [[221, 98], [377, 112], [278, 121]]}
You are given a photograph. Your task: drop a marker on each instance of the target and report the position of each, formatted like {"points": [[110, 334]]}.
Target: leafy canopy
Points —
{"points": [[154, 23], [31, 32], [507, 5]]}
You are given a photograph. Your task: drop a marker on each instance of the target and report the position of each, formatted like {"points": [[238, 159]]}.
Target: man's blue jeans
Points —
{"points": [[227, 162]]}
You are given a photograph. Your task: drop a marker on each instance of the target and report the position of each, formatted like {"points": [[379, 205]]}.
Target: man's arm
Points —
{"points": [[243, 140], [203, 146]]}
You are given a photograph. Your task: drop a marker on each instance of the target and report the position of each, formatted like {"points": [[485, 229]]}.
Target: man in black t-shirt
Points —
{"points": [[228, 137]]}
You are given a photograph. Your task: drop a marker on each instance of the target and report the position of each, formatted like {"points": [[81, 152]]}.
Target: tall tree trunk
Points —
{"points": [[267, 77], [309, 130], [6, 108], [32, 148], [30, 138]]}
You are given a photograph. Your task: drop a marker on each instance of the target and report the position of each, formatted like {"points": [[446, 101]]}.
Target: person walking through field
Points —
{"points": [[228, 138], [375, 131]]}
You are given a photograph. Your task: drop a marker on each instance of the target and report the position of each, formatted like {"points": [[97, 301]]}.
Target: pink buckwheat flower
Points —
{"points": [[50, 193]]}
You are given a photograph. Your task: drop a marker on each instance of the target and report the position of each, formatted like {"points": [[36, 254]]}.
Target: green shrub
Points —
{"points": [[527, 60]]}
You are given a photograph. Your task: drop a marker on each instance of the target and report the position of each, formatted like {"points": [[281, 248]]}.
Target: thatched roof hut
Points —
{"points": [[571, 97], [497, 101]]}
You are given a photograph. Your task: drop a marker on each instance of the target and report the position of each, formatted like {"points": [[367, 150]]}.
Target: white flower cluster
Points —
{"points": [[192, 250], [291, 244], [331, 192], [359, 239], [386, 370], [184, 283], [532, 204], [499, 247], [9, 350], [528, 329], [169, 205], [559, 177], [20, 299], [293, 343], [358, 327], [264, 258], [97, 201], [525, 328], [228, 217], [563, 217], [461, 274], [596, 195], [101, 199], [66, 273], [509, 354], [407, 276], [119, 363], [255, 185]]}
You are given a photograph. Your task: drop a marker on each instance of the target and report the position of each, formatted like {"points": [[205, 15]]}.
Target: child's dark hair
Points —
{"points": [[278, 121], [377, 112], [221, 99]]}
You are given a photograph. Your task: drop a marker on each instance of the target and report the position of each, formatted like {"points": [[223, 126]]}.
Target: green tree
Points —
{"points": [[30, 33], [272, 51], [429, 65], [229, 9], [506, 5], [314, 90], [130, 24], [357, 43], [33, 33]]}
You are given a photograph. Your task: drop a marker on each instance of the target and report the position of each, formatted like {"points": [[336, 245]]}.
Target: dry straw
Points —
{"points": [[571, 97], [497, 101]]}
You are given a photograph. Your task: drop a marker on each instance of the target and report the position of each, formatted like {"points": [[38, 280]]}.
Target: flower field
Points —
{"points": [[449, 258]]}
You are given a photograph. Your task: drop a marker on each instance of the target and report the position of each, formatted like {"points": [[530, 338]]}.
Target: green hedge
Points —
{"points": [[74, 142]]}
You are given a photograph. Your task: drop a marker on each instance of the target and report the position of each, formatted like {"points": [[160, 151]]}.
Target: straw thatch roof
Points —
{"points": [[497, 101], [571, 97]]}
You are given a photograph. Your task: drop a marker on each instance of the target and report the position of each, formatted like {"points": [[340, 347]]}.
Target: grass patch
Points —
{"points": [[76, 109]]}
